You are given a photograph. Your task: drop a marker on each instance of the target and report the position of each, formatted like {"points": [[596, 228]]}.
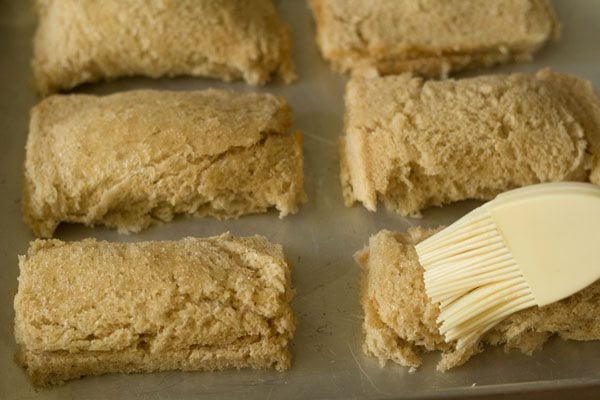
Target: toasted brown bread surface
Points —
{"points": [[92, 307], [411, 143], [432, 37], [80, 41], [133, 158]]}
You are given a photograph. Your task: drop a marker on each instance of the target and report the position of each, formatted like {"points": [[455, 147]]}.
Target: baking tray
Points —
{"points": [[319, 241]]}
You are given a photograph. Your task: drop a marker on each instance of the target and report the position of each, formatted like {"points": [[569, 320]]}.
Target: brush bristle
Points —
{"points": [[473, 276]]}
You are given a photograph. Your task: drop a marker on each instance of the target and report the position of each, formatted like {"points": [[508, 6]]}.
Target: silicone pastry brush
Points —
{"points": [[527, 247]]}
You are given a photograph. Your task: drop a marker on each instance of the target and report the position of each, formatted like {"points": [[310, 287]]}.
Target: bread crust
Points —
{"points": [[413, 144], [94, 307], [130, 159], [430, 38], [80, 41], [400, 321]]}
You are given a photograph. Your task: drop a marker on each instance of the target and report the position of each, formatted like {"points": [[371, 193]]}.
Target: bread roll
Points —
{"points": [[130, 159], [412, 143], [89, 307], [431, 37], [80, 41]]}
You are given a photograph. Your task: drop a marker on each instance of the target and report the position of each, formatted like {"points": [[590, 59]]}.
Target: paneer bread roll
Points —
{"points": [[431, 38], [93, 307], [133, 158], [412, 144], [79, 41]]}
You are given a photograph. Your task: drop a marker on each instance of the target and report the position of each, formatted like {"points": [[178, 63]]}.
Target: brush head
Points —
{"points": [[530, 246], [471, 273]]}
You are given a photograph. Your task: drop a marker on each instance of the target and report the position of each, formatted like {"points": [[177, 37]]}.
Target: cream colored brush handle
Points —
{"points": [[548, 187], [554, 238]]}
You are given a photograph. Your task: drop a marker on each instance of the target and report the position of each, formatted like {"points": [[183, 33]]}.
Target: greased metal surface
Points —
{"points": [[319, 242]]}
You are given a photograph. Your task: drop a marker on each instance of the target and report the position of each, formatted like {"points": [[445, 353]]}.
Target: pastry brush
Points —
{"points": [[528, 247]]}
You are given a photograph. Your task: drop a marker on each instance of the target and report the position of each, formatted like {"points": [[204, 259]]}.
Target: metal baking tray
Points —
{"points": [[319, 241]]}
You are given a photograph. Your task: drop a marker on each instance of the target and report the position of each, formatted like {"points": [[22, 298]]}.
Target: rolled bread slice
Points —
{"points": [[129, 159], [412, 143], [80, 41], [400, 321], [432, 37], [94, 307]]}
